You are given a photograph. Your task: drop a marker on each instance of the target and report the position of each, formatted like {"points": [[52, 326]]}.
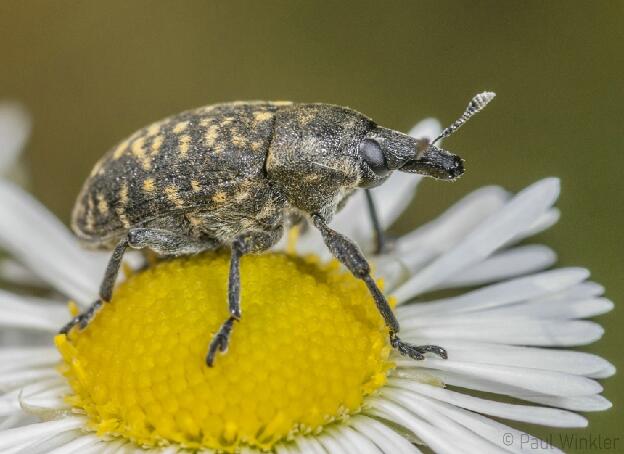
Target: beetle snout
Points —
{"points": [[437, 163]]}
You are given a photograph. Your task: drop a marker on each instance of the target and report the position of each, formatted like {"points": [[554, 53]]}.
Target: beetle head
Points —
{"points": [[320, 153], [383, 150]]}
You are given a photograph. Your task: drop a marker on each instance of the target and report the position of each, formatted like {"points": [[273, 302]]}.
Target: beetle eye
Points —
{"points": [[371, 152]]}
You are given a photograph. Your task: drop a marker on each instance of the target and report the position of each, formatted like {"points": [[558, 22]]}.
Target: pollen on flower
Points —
{"points": [[311, 345]]}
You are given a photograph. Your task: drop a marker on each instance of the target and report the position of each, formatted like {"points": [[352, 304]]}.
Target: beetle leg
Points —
{"points": [[160, 241], [348, 253], [220, 340], [383, 241], [378, 231], [106, 288]]}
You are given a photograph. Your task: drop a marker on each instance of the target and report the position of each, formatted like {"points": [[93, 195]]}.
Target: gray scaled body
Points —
{"points": [[235, 175]]}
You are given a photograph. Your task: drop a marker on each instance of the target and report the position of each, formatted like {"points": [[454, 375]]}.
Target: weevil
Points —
{"points": [[235, 175]]}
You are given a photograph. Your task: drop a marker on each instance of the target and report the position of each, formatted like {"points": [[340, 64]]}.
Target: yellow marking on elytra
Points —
{"points": [[238, 139], [211, 135], [90, 218], [156, 144], [149, 185], [219, 197], [281, 103], [154, 128], [180, 126], [121, 214], [122, 195], [262, 116], [195, 222], [120, 150], [122, 201], [196, 185], [227, 121], [102, 204], [242, 194], [184, 144], [97, 168], [172, 194], [255, 146], [138, 150]]}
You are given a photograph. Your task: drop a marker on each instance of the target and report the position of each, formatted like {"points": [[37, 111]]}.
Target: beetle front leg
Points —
{"points": [[348, 253]]}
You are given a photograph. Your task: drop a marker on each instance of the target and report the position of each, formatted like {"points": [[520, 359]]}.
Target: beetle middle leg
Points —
{"points": [[162, 242], [251, 242], [347, 252]]}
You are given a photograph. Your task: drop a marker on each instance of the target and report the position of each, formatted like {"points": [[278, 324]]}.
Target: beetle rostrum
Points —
{"points": [[236, 175]]}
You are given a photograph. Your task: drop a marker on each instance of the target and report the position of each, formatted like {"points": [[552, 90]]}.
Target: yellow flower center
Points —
{"points": [[310, 346]]}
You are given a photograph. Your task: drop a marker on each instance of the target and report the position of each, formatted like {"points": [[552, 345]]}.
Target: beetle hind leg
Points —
{"points": [[161, 241], [106, 289]]}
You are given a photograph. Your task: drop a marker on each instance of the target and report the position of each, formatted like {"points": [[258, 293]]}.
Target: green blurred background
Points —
{"points": [[92, 72]]}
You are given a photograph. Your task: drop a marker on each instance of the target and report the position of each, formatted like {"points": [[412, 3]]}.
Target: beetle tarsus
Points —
{"points": [[220, 341], [416, 352], [83, 319]]}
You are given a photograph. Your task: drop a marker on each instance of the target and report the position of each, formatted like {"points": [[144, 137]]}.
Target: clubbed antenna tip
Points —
{"points": [[475, 105]]}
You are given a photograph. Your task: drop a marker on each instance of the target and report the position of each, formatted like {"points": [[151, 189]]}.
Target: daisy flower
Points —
{"points": [[310, 369]]}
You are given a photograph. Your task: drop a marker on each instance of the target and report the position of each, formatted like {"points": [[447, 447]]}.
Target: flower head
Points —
{"points": [[311, 370]]}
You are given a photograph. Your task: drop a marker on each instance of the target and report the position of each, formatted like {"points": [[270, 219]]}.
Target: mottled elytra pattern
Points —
{"points": [[194, 173]]}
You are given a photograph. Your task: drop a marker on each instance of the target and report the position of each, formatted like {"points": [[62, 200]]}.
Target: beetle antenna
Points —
{"points": [[475, 105]]}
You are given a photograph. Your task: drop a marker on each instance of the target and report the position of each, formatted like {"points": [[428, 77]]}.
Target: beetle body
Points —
{"points": [[235, 175]]}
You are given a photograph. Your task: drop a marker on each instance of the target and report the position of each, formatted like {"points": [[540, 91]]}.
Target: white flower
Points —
{"points": [[507, 337]]}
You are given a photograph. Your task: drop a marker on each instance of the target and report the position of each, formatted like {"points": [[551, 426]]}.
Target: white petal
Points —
{"points": [[34, 313], [14, 379], [504, 265], [78, 445], [384, 437], [561, 309], [309, 444], [113, 447], [24, 357], [330, 444], [41, 242], [443, 233], [10, 401], [503, 436], [547, 333], [14, 272], [514, 218], [544, 222], [438, 440], [356, 442], [525, 413], [571, 362], [14, 130], [608, 371], [512, 291], [31, 433], [539, 381], [421, 407], [539, 309], [580, 403]]}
